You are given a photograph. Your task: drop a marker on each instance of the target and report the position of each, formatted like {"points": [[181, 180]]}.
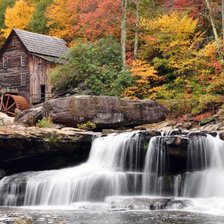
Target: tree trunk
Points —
{"points": [[137, 3], [124, 5], [214, 29], [223, 21]]}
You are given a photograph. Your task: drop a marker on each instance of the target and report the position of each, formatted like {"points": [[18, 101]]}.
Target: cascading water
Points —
{"points": [[112, 164], [208, 182], [204, 176], [119, 165]]}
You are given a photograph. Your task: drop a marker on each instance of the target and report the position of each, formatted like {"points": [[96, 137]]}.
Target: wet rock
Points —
{"points": [[196, 134], [221, 135], [138, 203], [183, 125], [178, 204], [2, 173], [23, 221], [33, 148], [104, 111]]}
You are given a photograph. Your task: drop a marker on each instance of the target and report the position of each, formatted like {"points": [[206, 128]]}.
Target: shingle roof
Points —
{"points": [[42, 44]]}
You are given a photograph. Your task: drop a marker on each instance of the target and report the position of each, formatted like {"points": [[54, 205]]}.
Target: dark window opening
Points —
{"points": [[42, 93]]}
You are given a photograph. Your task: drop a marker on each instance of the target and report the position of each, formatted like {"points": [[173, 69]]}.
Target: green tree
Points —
{"points": [[39, 21], [93, 68]]}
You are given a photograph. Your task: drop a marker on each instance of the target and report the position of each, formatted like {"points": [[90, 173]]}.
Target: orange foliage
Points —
{"points": [[144, 76]]}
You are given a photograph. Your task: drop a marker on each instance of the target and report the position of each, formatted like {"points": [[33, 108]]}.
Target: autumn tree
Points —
{"points": [[60, 19], [174, 40], [3, 6], [146, 80], [97, 19], [39, 21], [17, 16]]}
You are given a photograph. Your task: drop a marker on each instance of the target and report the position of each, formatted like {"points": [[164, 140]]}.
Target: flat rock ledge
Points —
{"points": [[33, 148], [103, 111]]}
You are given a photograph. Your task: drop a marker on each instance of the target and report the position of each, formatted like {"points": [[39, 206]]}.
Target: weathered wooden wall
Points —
{"points": [[34, 69], [11, 73], [39, 75]]}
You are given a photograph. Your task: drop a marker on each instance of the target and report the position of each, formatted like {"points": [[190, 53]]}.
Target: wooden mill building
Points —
{"points": [[25, 62]]}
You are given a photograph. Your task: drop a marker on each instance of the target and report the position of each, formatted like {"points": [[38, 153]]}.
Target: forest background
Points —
{"points": [[167, 50]]}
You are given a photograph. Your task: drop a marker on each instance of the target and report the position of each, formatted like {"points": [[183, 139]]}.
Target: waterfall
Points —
{"points": [[113, 159], [204, 176], [209, 181], [120, 164]]}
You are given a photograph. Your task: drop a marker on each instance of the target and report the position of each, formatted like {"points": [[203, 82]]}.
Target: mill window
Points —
{"points": [[5, 62], [23, 60], [23, 79], [13, 43]]}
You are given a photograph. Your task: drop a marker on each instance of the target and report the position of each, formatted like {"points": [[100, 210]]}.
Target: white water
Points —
{"points": [[102, 175], [113, 161], [210, 181]]}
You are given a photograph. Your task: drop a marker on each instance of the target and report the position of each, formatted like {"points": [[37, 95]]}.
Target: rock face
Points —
{"points": [[23, 149], [104, 111], [5, 119], [32, 148]]}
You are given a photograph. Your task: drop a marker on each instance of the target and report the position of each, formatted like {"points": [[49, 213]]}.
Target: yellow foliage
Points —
{"points": [[60, 18], [174, 23], [17, 16], [143, 70], [176, 37], [143, 74], [210, 50]]}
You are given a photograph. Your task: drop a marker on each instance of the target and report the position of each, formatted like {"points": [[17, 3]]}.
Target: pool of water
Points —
{"points": [[102, 214]]}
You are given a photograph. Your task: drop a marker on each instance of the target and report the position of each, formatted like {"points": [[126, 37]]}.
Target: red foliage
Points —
{"points": [[216, 65], [202, 116], [97, 19], [195, 8]]}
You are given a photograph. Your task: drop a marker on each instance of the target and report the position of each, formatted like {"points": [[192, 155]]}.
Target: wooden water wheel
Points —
{"points": [[9, 103]]}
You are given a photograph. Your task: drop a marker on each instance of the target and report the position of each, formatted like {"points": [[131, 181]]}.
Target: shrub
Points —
{"points": [[93, 67], [87, 126], [206, 103], [45, 122]]}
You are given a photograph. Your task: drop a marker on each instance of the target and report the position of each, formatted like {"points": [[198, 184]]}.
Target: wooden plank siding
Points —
{"points": [[39, 76], [21, 64], [12, 72], [26, 59]]}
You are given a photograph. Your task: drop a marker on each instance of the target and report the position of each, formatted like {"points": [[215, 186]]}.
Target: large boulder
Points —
{"points": [[30, 116], [104, 111]]}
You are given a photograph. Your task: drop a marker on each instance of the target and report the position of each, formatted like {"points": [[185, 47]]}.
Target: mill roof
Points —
{"points": [[42, 44]]}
